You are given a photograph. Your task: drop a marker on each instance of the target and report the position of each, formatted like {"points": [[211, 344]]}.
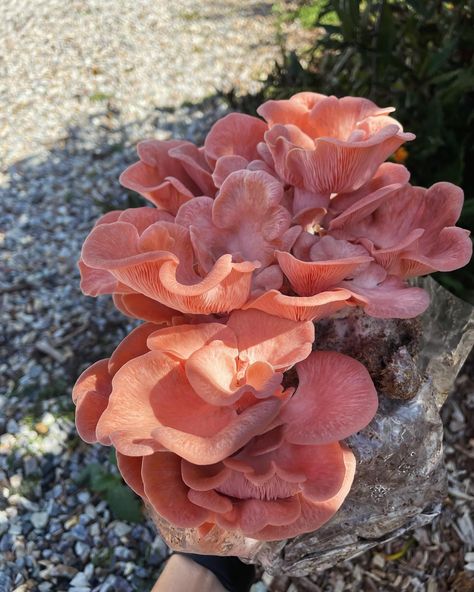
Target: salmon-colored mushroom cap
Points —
{"points": [[245, 220], [409, 230], [157, 261], [169, 173], [285, 481], [329, 145], [200, 390], [93, 387], [334, 399], [190, 496], [339, 264], [235, 135]]}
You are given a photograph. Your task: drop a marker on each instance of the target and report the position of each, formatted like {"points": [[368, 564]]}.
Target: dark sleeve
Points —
{"points": [[234, 575]]}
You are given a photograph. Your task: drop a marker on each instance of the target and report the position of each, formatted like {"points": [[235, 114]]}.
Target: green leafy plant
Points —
{"points": [[124, 504], [416, 55]]}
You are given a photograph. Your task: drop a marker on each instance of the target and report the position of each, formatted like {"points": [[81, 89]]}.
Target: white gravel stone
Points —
{"points": [[81, 550], [84, 497], [48, 419], [79, 580], [89, 571], [91, 511], [15, 481], [3, 522], [160, 546], [12, 426], [122, 529], [39, 519]]}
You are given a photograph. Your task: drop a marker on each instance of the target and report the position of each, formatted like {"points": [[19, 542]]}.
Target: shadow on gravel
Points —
{"points": [[65, 519], [50, 201]]}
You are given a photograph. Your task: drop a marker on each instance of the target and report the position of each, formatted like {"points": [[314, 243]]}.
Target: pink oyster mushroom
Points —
{"points": [[324, 145], [171, 172], [286, 481], [247, 220], [140, 251], [409, 231], [315, 212], [324, 263], [387, 178], [95, 282], [232, 145], [370, 240], [201, 391], [213, 257]]}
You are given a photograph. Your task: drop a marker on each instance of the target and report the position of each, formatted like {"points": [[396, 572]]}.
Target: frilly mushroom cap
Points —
{"points": [[329, 145], [158, 262], [424, 241], [169, 173], [225, 383], [273, 470]]}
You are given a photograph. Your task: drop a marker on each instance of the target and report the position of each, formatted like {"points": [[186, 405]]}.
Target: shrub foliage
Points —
{"points": [[416, 55]]}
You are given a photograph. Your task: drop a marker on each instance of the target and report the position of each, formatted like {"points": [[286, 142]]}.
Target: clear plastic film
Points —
{"points": [[400, 479]]}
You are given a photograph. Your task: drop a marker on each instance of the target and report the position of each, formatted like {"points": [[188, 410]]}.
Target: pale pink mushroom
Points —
{"points": [[299, 308], [386, 296], [410, 231], [283, 482], [339, 264], [202, 390], [217, 496], [388, 177], [157, 261], [121, 400], [331, 261], [93, 387], [100, 281], [334, 399], [169, 173], [231, 144], [245, 220], [327, 145], [138, 306]]}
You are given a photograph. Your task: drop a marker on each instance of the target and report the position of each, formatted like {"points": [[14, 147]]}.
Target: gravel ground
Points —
{"points": [[80, 83]]}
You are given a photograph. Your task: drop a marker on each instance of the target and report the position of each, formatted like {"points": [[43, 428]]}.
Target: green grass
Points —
{"points": [[309, 15], [98, 97], [189, 15]]}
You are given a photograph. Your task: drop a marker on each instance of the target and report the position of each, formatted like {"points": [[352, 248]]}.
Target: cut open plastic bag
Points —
{"points": [[400, 478]]}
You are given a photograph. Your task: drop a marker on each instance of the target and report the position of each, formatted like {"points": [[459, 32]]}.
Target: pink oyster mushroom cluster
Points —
{"points": [[220, 414], [297, 216], [207, 433]]}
